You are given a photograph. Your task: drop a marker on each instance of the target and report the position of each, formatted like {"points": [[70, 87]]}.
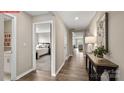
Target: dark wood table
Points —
{"points": [[96, 67]]}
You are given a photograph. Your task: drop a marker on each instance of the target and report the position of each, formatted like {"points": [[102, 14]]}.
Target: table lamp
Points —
{"points": [[90, 41]]}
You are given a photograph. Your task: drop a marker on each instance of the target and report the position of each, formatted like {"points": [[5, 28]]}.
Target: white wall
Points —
{"points": [[115, 34], [41, 28], [44, 37], [43, 33], [8, 26]]}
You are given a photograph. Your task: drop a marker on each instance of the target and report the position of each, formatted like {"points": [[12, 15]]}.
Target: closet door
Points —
{"points": [[1, 46]]}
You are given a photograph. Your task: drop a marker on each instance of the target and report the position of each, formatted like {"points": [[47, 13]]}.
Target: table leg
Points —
{"points": [[89, 70], [86, 62], [99, 73], [112, 75]]}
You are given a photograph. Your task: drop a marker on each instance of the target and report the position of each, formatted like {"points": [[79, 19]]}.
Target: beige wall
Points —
{"points": [[60, 32], [1, 48], [24, 42], [116, 44], [70, 47]]}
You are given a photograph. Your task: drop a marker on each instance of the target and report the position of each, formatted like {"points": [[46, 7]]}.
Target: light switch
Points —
{"points": [[24, 44]]}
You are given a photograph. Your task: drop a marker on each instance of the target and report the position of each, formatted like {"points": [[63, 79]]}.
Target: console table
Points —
{"points": [[96, 67]]}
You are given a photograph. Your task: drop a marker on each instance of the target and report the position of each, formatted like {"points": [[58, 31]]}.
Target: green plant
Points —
{"points": [[100, 51]]}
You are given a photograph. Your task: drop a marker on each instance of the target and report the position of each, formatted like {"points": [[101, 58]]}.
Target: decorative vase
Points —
{"points": [[100, 57]]}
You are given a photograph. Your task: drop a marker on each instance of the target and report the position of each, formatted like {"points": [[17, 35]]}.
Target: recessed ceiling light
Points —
{"points": [[76, 18]]}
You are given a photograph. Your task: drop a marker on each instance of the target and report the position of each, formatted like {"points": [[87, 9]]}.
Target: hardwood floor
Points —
{"points": [[73, 70], [43, 63]]}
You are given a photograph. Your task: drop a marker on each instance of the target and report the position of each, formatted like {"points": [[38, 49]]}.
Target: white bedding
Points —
{"points": [[42, 51]]}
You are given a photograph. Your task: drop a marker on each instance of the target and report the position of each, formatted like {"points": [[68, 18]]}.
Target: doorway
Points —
{"points": [[8, 47], [44, 47], [78, 41]]}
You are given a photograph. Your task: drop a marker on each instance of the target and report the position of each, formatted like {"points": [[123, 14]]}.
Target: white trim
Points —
{"points": [[53, 50], [53, 46], [60, 68], [25, 73], [13, 42], [33, 48], [62, 65]]}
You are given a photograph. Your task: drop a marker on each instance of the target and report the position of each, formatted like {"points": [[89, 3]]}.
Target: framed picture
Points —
{"points": [[102, 31]]}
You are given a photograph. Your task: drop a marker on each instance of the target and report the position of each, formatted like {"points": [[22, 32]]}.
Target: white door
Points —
{"points": [[1, 47]]}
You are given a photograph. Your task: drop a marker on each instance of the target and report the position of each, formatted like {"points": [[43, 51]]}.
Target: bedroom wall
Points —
{"points": [[42, 18], [43, 33], [24, 42], [116, 32], [44, 37], [42, 28]]}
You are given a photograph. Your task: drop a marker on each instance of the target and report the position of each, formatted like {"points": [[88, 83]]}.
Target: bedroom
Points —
{"points": [[43, 55]]}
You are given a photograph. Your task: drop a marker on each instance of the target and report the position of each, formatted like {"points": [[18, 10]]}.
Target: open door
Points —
{"points": [[12, 59]]}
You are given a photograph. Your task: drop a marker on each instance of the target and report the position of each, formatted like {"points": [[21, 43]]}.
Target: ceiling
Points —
{"points": [[37, 13], [84, 19], [69, 18]]}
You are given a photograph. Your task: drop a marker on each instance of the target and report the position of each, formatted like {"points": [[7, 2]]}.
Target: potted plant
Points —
{"points": [[100, 51]]}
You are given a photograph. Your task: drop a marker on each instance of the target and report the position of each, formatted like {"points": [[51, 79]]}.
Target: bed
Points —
{"points": [[42, 49]]}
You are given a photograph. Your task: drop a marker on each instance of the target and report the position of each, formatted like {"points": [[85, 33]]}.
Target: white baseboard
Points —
{"points": [[60, 68], [25, 73], [62, 65], [54, 75]]}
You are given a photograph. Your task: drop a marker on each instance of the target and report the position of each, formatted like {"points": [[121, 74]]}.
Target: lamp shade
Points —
{"points": [[90, 39]]}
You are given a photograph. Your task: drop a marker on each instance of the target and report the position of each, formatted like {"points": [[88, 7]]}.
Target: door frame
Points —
{"points": [[13, 46], [53, 46]]}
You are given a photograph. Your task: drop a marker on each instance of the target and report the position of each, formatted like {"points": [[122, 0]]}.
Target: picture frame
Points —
{"points": [[102, 31]]}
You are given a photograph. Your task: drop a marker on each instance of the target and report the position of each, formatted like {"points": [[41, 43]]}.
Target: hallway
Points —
{"points": [[73, 70]]}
